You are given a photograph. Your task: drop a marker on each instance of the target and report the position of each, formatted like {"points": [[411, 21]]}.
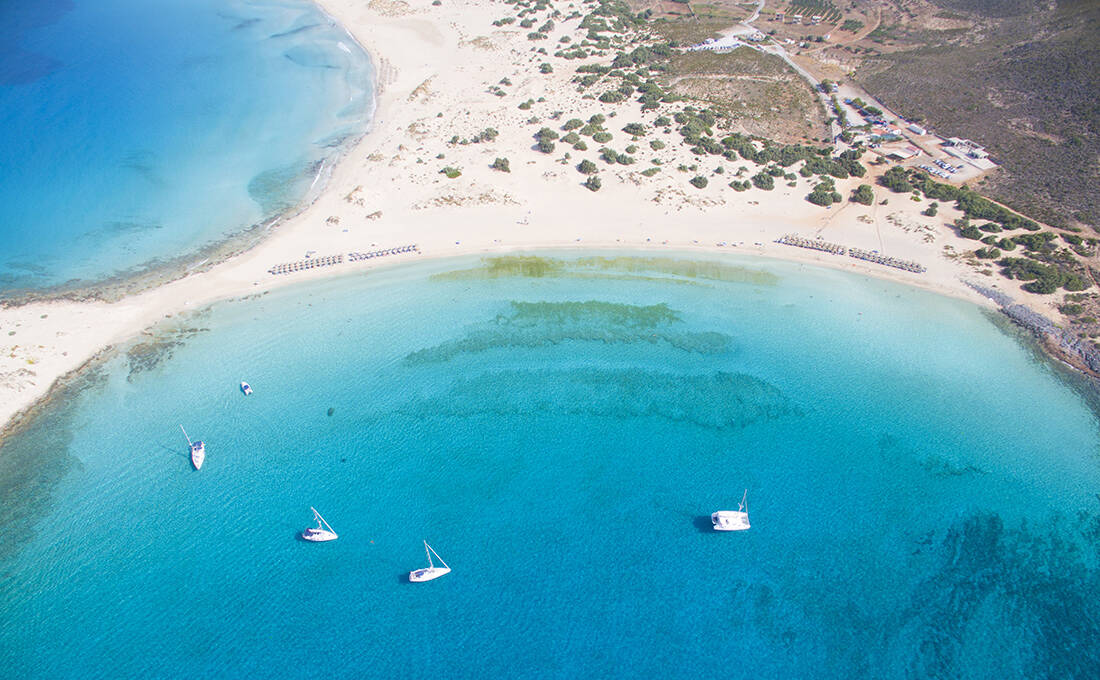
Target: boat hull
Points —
{"points": [[198, 456], [315, 536], [429, 574], [729, 520]]}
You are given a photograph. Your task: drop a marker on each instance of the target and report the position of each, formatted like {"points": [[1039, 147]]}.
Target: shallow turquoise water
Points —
{"points": [[922, 488], [137, 131]]}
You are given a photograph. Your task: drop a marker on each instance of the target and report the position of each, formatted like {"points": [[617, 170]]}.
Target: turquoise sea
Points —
{"points": [[922, 486], [134, 132]]}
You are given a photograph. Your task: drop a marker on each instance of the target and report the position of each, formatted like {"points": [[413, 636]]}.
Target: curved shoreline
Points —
{"points": [[157, 271], [386, 190]]}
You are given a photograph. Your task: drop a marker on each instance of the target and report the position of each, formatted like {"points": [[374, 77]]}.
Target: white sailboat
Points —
{"points": [[732, 520], [198, 451], [431, 571], [320, 533]]}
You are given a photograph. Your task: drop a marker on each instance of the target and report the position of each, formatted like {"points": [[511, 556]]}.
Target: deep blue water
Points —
{"points": [[922, 487], [136, 131]]}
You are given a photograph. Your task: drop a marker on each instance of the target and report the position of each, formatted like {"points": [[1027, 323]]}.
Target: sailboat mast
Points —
{"points": [[321, 520], [428, 552], [185, 436], [744, 498], [436, 554]]}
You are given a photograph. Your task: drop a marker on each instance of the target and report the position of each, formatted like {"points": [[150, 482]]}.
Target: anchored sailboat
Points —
{"points": [[432, 571], [732, 520], [320, 533], [198, 451]]}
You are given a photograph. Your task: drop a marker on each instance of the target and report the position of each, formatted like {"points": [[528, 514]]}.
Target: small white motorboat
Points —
{"points": [[320, 533], [732, 520], [431, 571], [246, 388], [198, 451]]}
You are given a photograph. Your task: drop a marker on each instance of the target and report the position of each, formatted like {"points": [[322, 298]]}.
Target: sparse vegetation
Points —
{"points": [[824, 194], [1042, 278], [1035, 113]]}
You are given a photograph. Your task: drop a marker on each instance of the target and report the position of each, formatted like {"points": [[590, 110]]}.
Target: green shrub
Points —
{"points": [[764, 181], [580, 146], [634, 129], [988, 253], [824, 194], [699, 181], [897, 180], [649, 172], [1036, 242], [451, 172], [611, 156], [863, 194], [601, 137], [571, 138], [572, 124], [1042, 278], [612, 97], [587, 167], [527, 104], [545, 68], [501, 164], [656, 145], [593, 183]]}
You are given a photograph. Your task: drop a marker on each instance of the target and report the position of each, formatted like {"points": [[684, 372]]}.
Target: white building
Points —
{"points": [[904, 153]]}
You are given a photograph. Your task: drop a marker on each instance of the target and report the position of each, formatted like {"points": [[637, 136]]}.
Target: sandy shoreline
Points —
{"points": [[388, 191]]}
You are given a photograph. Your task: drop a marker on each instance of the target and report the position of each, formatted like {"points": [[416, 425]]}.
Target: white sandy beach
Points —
{"points": [[435, 67]]}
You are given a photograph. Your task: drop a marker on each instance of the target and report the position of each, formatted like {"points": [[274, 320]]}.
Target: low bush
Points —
{"points": [[764, 181], [863, 194]]}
